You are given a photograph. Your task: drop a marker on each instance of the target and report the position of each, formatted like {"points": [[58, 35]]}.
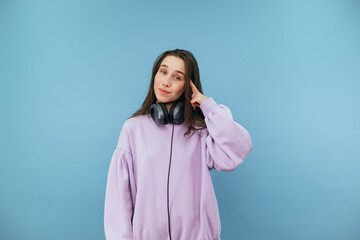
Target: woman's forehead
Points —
{"points": [[173, 63]]}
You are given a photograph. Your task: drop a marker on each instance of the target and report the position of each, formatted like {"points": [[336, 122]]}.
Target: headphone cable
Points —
{"points": [[172, 135]]}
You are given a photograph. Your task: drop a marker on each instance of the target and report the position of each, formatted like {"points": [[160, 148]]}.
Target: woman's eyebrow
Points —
{"points": [[163, 65]]}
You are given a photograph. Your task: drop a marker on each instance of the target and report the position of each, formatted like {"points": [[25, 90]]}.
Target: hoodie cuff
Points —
{"points": [[208, 106]]}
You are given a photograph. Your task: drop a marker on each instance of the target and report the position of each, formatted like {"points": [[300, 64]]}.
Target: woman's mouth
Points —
{"points": [[163, 91]]}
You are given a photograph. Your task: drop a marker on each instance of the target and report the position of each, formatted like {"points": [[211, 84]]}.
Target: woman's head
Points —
{"points": [[172, 71], [170, 77]]}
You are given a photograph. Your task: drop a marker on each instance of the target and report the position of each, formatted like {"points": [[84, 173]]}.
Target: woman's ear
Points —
{"points": [[183, 90]]}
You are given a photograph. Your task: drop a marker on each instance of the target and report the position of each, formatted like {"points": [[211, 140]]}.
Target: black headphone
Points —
{"points": [[159, 113]]}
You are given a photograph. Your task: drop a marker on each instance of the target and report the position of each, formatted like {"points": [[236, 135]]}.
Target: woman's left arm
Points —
{"points": [[227, 142]]}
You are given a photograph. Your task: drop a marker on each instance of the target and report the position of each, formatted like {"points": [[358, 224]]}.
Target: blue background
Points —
{"points": [[73, 71]]}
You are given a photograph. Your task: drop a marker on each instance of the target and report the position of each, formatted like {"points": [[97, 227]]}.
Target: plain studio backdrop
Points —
{"points": [[73, 71]]}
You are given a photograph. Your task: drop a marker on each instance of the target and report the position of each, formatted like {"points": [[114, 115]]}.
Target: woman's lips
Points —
{"points": [[163, 91]]}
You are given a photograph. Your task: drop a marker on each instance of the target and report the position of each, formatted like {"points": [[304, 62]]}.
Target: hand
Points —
{"points": [[197, 98]]}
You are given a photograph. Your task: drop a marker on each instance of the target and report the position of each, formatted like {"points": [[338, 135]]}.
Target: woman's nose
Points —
{"points": [[166, 81]]}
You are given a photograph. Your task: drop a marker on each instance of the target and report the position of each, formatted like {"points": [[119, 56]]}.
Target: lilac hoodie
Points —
{"points": [[136, 199]]}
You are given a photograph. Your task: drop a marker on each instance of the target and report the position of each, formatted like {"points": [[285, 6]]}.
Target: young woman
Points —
{"points": [[159, 184]]}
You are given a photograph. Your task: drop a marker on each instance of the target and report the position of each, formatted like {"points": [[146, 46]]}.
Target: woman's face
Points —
{"points": [[171, 78]]}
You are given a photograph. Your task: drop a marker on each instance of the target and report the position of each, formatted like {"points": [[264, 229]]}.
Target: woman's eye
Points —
{"points": [[176, 77]]}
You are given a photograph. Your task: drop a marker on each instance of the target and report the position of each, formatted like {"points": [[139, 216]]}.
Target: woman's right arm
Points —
{"points": [[118, 203]]}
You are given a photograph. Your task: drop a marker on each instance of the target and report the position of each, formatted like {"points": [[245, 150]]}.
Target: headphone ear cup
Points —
{"points": [[176, 113], [159, 113]]}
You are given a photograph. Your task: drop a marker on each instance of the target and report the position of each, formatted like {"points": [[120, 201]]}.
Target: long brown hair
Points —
{"points": [[191, 118]]}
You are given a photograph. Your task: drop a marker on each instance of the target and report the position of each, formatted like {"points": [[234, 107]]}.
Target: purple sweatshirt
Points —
{"points": [[136, 199]]}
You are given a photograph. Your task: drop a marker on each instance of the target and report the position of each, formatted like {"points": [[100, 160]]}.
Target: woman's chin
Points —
{"points": [[163, 100]]}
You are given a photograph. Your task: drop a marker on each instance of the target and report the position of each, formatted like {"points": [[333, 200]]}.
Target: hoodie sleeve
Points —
{"points": [[118, 209], [227, 142]]}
